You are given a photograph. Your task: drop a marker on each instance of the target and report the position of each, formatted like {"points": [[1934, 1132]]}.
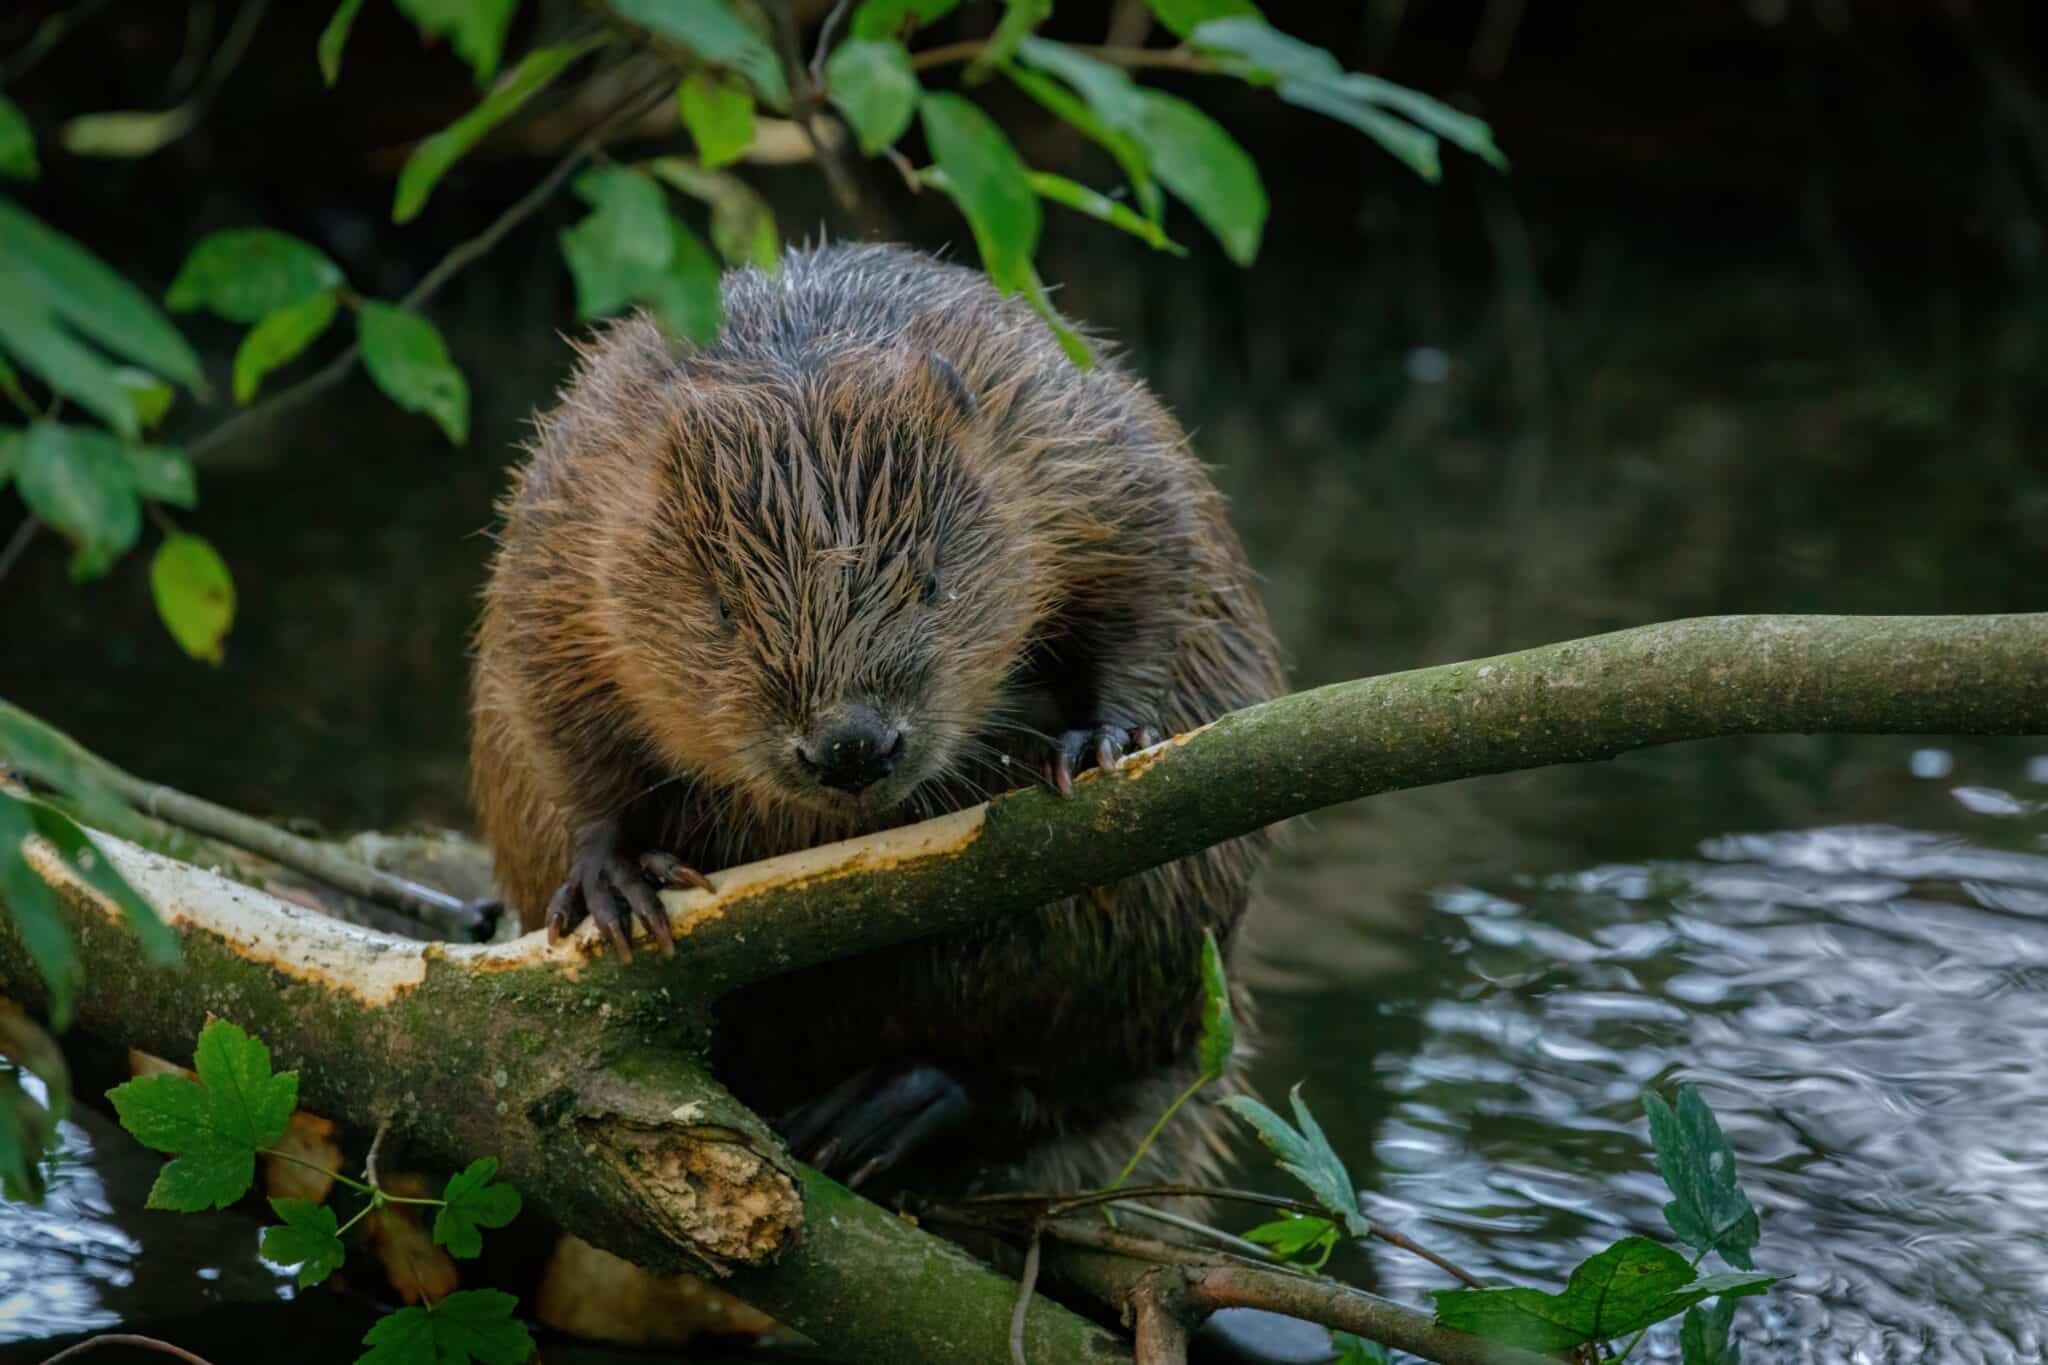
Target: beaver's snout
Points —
{"points": [[852, 749]]}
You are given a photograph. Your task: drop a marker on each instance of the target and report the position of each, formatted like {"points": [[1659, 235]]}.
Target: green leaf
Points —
{"points": [[245, 274], [37, 919], [1305, 1154], [988, 180], [432, 158], [17, 143], [26, 1132], [1057, 99], [1101, 207], [1292, 1235], [1204, 168], [309, 1239], [470, 1324], [687, 297], [1706, 1337], [1356, 1350], [631, 250], [194, 594], [1183, 17], [1627, 1287], [872, 82], [75, 846], [83, 291], [474, 28], [1710, 1212], [334, 38], [881, 19], [474, 1200], [1219, 1026], [1312, 78], [1187, 151], [213, 1127], [150, 396], [162, 473], [11, 441], [1069, 337], [54, 759], [742, 224], [629, 219], [278, 339], [720, 116], [710, 29], [1020, 17], [79, 483], [127, 133], [408, 360]]}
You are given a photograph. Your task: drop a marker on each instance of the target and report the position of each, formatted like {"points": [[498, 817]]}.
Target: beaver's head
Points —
{"points": [[843, 585]]}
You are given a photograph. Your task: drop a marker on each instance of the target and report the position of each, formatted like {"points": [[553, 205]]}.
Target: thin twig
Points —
{"points": [[1196, 1228], [17, 544], [1157, 1323], [459, 258], [44, 40], [832, 19], [126, 1339], [1027, 1285], [370, 1161], [1130, 58], [805, 97]]}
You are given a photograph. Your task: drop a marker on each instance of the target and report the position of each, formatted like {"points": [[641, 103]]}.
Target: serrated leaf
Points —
{"points": [[876, 19], [17, 143], [309, 1239], [1625, 1288], [1305, 1153], [1292, 1235], [1183, 17], [475, 1199], [1356, 1350], [75, 847], [742, 224], [334, 38], [1312, 78], [1063, 105], [246, 274], [76, 287], [872, 82], [474, 28], [1707, 1336], [469, 1325], [150, 396], [195, 595], [213, 1127], [37, 919], [989, 182], [79, 483], [432, 158], [1103, 209], [1020, 17], [720, 116], [408, 360], [1219, 1025], [710, 29], [279, 338], [1710, 1211]]}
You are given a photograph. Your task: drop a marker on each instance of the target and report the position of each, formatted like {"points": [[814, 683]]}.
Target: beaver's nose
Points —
{"points": [[853, 749]]}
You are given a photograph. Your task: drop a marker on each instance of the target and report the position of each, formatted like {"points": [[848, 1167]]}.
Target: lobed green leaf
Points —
{"points": [[213, 1127], [195, 595], [408, 360], [310, 1239], [1710, 1211], [468, 1325], [475, 1199], [1305, 1153], [1707, 1336]]}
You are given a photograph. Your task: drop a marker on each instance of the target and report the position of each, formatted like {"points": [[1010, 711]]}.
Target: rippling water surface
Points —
{"points": [[1865, 1007]]}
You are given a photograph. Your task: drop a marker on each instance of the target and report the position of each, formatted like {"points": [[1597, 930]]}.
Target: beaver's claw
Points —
{"points": [[613, 890], [1103, 744], [874, 1120]]}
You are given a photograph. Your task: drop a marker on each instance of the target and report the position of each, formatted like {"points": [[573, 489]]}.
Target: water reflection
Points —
{"points": [[1866, 1009]]}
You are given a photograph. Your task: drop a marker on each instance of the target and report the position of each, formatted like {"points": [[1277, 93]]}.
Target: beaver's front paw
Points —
{"points": [[613, 889], [1103, 743], [874, 1120]]}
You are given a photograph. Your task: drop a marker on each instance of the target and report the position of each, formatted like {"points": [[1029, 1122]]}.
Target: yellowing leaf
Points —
{"points": [[194, 595]]}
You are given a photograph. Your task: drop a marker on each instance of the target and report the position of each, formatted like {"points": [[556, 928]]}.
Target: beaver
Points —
{"points": [[879, 551]]}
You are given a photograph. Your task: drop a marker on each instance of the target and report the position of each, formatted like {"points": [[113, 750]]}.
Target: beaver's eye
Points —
{"points": [[931, 588], [725, 614]]}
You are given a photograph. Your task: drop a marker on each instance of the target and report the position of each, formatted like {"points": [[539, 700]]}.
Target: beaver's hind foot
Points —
{"points": [[869, 1123]]}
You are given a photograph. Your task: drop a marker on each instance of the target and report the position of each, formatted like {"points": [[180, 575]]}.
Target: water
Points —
{"points": [[1840, 940]]}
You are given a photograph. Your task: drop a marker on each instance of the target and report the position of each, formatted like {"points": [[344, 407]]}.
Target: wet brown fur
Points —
{"points": [[866, 418]]}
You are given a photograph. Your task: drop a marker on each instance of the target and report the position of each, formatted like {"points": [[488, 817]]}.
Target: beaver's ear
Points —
{"points": [[946, 378]]}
